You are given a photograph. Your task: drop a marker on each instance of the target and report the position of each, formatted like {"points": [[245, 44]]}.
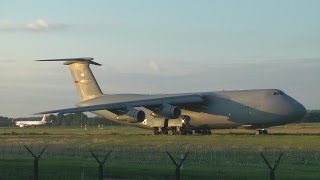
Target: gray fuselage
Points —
{"points": [[223, 109]]}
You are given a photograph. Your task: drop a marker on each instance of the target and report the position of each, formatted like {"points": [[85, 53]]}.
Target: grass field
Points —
{"points": [[136, 154]]}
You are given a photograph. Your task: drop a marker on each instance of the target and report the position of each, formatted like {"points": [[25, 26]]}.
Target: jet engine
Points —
{"points": [[132, 116], [169, 111]]}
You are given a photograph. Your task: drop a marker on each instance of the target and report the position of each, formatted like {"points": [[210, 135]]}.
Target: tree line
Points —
{"points": [[311, 116], [78, 119]]}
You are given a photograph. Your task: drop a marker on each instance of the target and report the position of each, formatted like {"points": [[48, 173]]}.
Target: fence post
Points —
{"points": [[178, 166], [100, 164], [35, 162], [275, 165]]}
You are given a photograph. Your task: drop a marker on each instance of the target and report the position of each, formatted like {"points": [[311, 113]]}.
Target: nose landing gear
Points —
{"points": [[261, 131]]}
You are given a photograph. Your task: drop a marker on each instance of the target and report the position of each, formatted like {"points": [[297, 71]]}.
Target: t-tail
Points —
{"points": [[83, 78]]}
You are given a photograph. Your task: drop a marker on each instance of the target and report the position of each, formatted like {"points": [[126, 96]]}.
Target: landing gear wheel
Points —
{"points": [[164, 131], [179, 130], [156, 131], [175, 131], [258, 132], [189, 132], [261, 131], [184, 132], [197, 132], [203, 132]]}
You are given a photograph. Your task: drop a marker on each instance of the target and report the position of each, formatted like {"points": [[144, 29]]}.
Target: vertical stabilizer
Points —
{"points": [[84, 81], [44, 118], [82, 76]]}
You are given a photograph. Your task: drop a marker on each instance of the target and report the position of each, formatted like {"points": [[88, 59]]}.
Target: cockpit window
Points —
{"points": [[276, 93]]}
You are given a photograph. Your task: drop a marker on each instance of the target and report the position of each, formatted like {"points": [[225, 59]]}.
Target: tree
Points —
{"points": [[312, 116]]}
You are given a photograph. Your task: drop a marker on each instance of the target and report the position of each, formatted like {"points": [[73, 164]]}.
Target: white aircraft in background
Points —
{"points": [[32, 123]]}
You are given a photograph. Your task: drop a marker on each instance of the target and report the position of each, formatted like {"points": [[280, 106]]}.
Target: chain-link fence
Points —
{"points": [[152, 162]]}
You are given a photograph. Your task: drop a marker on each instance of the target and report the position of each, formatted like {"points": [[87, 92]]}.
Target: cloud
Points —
{"points": [[153, 66], [38, 25]]}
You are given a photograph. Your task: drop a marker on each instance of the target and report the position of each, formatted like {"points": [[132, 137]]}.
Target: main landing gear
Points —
{"points": [[261, 131], [203, 132], [159, 131], [186, 132], [179, 131]]}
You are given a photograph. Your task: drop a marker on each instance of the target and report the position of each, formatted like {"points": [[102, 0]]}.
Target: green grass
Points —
{"points": [[136, 154], [243, 139], [67, 169]]}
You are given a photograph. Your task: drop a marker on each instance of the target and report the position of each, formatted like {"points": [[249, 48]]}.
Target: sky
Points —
{"points": [[157, 46]]}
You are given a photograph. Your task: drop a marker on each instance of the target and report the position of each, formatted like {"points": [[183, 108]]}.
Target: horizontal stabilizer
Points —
{"points": [[68, 61]]}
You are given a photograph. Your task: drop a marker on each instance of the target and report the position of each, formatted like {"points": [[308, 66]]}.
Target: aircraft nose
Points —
{"points": [[297, 111], [300, 110]]}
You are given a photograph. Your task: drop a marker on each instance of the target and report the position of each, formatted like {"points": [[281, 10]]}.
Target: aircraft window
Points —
{"points": [[278, 93]]}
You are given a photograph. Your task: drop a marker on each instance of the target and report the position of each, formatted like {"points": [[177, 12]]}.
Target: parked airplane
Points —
{"points": [[32, 123], [182, 113]]}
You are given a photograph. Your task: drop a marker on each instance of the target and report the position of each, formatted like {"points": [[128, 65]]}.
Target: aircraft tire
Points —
{"points": [[204, 132], [258, 132], [183, 132], [156, 131], [176, 131], [261, 131], [165, 131]]}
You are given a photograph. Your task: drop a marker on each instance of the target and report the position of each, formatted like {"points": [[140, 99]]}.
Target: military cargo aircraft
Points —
{"points": [[182, 114]]}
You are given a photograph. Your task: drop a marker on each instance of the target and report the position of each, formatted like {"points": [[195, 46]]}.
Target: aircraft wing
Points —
{"points": [[173, 100]]}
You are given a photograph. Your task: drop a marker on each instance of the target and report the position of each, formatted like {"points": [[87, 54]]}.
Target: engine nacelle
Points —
{"points": [[169, 111], [132, 116]]}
